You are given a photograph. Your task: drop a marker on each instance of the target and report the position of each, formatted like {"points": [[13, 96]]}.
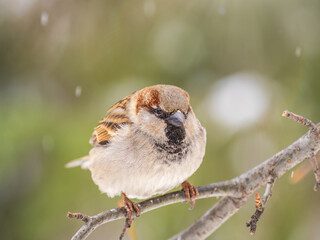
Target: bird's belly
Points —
{"points": [[143, 175]]}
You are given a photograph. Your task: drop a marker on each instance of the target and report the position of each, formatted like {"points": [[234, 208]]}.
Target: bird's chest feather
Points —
{"points": [[171, 153], [172, 149]]}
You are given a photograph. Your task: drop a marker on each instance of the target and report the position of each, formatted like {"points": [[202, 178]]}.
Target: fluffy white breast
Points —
{"points": [[131, 163]]}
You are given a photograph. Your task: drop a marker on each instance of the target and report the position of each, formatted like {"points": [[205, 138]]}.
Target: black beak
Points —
{"points": [[177, 119]]}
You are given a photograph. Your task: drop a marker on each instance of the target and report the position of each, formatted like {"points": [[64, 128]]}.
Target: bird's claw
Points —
{"points": [[130, 208], [191, 193]]}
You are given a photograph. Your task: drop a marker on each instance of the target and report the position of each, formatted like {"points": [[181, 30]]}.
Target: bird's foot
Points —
{"points": [[191, 192], [130, 207]]}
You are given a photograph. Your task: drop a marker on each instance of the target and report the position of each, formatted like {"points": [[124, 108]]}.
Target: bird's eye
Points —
{"points": [[158, 111]]}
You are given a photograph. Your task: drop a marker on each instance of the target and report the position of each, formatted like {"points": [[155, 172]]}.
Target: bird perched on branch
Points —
{"points": [[148, 143]]}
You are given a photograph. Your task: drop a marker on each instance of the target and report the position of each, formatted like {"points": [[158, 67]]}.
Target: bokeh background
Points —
{"points": [[63, 63]]}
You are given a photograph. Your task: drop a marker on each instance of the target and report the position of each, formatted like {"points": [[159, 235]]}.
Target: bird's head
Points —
{"points": [[162, 110]]}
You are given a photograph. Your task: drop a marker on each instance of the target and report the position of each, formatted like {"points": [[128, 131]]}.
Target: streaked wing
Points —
{"points": [[116, 118]]}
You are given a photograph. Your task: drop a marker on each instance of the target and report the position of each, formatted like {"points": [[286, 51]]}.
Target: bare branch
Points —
{"points": [[305, 147], [212, 219], [226, 188], [235, 192], [315, 131]]}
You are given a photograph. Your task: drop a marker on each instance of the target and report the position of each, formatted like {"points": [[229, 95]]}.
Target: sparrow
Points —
{"points": [[149, 143]]}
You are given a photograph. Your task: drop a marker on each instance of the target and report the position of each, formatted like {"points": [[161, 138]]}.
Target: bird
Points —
{"points": [[148, 143]]}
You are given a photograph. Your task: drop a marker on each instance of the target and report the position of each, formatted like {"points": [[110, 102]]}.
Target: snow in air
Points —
{"points": [[44, 19]]}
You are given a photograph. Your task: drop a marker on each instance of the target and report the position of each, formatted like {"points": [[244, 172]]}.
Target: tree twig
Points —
{"points": [[260, 205], [235, 192], [80, 216], [300, 119], [268, 192], [252, 224], [315, 166]]}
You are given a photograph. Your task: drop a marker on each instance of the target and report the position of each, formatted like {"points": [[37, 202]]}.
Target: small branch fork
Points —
{"points": [[260, 205], [235, 192], [315, 133]]}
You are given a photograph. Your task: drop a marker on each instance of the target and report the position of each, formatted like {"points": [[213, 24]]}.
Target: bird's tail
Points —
{"points": [[83, 162]]}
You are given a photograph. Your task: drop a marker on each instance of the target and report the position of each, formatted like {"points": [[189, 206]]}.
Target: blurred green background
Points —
{"points": [[64, 63]]}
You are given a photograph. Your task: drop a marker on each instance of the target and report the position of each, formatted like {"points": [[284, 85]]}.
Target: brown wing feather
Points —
{"points": [[116, 118], [122, 104]]}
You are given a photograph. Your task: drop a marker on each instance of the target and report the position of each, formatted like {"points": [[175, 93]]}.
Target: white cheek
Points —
{"points": [[146, 118]]}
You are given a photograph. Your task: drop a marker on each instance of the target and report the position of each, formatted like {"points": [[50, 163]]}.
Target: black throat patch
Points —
{"points": [[175, 148], [175, 134]]}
